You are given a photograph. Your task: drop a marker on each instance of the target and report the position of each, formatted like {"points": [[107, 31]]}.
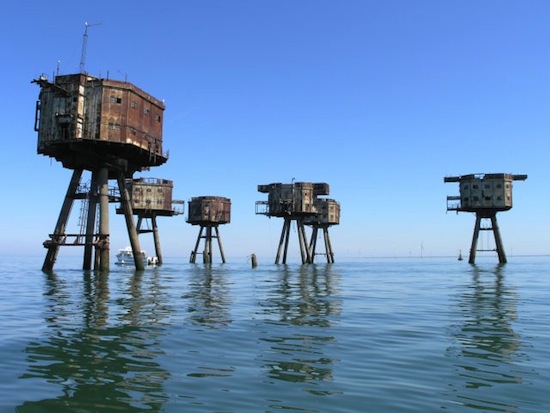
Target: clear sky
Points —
{"points": [[380, 99]]}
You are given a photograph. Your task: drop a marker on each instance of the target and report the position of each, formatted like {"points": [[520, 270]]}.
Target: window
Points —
{"points": [[146, 111], [133, 104], [114, 126], [159, 118], [115, 99]]}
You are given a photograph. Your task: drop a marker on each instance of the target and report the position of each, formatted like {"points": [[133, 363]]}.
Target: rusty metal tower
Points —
{"points": [[328, 214], [209, 212], [484, 195], [151, 198], [293, 202], [110, 128]]}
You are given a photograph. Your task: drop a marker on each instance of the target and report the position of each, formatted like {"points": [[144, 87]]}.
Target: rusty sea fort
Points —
{"points": [[380, 335], [376, 335]]}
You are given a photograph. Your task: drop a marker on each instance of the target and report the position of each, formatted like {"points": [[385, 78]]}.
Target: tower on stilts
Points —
{"points": [[151, 198], [109, 128], [328, 214], [208, 212], [484, 195], [292, 202]]}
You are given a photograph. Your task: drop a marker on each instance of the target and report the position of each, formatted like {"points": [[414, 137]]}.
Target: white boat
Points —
{"points": [[125, 256]]}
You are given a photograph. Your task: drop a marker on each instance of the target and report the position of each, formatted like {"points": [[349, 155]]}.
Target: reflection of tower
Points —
{"points": [[150, 198], [484, 194], [486, 350], [307, 300], [110, 128], [209, 297], [328, 214], [100, 352], [293, 202], [208, 212]]}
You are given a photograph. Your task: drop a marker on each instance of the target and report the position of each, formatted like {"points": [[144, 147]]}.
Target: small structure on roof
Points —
{"points": [[484, 195], [208, 212]]}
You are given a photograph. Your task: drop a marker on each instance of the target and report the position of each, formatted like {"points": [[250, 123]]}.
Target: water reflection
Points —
{"points": [[98, 353], [486, 353], [300, 307], [209, 299]]}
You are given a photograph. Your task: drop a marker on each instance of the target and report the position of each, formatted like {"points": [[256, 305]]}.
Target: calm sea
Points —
{"points": [[371, 335]]}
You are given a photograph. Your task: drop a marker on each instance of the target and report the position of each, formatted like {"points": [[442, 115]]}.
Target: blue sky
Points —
{"points": [[381, 99]]}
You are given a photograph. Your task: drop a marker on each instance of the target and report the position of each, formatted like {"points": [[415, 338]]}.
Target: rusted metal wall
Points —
{"points": [[209, 210], [486, 193], [82, 108], [294, 199], [328, 212], [478, 192], [151, 194]]}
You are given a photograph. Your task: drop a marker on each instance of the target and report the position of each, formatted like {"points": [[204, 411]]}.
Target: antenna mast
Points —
{"points": [[85, 45]]}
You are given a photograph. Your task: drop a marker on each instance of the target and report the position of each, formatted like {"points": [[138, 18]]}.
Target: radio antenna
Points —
{"points": [[85, 45]]}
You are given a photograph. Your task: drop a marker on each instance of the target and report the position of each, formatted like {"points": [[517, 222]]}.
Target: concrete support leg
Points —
{"points": [[302, 239], [313, 242], [473, 248], [328, 246], [193, 257], [283, 242], [156, 239], [220, 243], [59, 231], [103, 242], [129, 216], [498, 240], [207, 254], [90, 223]]}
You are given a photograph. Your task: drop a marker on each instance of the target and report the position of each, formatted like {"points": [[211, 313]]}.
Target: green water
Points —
{"points": [[373, 335]]}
